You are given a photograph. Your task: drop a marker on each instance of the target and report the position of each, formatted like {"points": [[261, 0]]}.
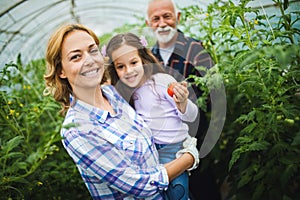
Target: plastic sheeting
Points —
{"points": [[25, 25]]}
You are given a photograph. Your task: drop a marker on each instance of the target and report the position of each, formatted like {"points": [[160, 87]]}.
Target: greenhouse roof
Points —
{"points": [[26, 24]]}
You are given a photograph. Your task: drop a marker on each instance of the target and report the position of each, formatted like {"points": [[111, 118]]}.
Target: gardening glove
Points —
{"points": [[190, 146]]}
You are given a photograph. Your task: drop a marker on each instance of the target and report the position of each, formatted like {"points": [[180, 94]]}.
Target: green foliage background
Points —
{"points": [[33, 163], [257, 57]]}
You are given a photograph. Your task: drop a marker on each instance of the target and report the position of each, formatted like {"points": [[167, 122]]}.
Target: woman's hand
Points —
{"points": [[190, 146]]}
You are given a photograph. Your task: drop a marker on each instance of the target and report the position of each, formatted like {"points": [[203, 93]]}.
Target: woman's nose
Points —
{"points": [[88, 60]]}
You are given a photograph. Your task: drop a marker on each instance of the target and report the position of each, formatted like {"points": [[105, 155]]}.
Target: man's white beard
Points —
{"points": [[165, 38]]}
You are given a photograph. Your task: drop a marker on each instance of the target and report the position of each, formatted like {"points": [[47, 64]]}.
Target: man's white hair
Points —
{"points": [[150, 1]]}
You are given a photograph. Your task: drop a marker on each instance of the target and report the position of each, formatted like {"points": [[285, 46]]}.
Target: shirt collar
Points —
{"points": [[94, 112]]}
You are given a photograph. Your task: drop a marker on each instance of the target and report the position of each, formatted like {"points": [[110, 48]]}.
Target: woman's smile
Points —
{"points": [[91, 73]]}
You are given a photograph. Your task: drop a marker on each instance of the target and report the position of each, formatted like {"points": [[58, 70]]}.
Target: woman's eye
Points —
{"points": [[94, 50], [74, 57]]}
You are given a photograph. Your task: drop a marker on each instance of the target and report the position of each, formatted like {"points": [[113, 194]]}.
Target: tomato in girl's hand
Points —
{"points": [[170, 89]]}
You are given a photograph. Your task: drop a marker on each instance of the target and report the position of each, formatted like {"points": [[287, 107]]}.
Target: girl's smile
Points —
{"points": [[128, 65]]}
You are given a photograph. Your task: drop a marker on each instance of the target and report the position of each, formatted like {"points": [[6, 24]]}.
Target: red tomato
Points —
{"points": [[170, 89]]}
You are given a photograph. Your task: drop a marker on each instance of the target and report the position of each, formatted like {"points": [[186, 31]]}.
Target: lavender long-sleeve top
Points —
{"points": [[159, 110]]}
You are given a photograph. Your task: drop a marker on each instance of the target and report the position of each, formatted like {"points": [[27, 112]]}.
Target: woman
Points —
{"points": [[110, 144]]}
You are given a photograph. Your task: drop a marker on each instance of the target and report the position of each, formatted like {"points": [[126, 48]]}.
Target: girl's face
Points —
{"points": [[82, 63], [129, 66]]}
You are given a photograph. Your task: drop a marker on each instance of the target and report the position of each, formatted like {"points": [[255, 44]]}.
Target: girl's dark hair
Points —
{"points": [[150, 63]]}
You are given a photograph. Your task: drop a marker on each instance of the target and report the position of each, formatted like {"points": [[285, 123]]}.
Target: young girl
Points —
{"points": [[141, 80], [110, 144]]}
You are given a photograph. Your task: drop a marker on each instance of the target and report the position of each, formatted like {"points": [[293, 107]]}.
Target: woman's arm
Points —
{"points": [[108, 164], [187, 159], [179, 165]]}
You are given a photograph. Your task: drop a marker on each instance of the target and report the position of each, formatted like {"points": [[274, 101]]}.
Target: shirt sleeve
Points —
{"points": [[104, 162], [191, 112]]}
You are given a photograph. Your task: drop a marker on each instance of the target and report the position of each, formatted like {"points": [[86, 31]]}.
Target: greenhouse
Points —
{"points": [[251, 145]]}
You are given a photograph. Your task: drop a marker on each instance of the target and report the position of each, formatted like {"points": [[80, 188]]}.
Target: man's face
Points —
{"points": [[163, 20]]}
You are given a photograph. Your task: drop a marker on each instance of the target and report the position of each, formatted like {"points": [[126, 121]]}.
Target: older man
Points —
{"points": [[180, 55]]}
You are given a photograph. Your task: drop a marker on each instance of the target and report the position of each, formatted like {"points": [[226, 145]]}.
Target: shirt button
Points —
{"points": [[161, 188]]}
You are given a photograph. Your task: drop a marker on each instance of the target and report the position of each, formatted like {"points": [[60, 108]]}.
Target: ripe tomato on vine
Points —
{"points": [[170, 89]]}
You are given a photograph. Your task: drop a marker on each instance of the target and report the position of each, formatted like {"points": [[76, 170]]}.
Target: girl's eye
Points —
{"points": [[133, 62], [119, 67]]}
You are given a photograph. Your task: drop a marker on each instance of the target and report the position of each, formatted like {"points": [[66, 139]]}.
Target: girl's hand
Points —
{"points": [[180, 96]]}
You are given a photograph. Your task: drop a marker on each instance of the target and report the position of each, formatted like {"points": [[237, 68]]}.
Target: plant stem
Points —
{"points": [[286, 26]]}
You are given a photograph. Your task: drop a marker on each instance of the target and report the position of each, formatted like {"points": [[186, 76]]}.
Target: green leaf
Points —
{"points": [[259, 189], [70, 125], [285, 4], [296, 140], [34, 156], [233, 20], [249, 128], [289, 159], [22, 165], [288, 172], [235, 156], [244, 140], [11, 155], [259, 146], [246, 178], [12, 143], [242, 119], [259, 175]]}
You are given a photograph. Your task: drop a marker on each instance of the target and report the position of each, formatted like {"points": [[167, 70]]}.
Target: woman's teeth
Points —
{"points": [[90, 73]]}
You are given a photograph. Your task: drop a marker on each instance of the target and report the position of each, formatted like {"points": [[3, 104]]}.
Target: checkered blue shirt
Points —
{"points": [[115, 154]]}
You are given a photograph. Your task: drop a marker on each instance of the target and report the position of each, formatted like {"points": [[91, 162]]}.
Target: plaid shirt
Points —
{"points": [[115, 154]]}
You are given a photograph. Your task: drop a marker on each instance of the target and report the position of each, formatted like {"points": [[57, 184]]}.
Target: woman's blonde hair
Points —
{"points": [[58, 87]]}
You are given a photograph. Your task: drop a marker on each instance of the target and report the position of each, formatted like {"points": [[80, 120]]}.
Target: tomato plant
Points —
{"points": [[258, 152], [33, 163], [258, 57]]}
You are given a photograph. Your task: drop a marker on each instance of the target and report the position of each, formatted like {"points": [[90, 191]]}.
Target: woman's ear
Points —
{"points": [[62, 74]]}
